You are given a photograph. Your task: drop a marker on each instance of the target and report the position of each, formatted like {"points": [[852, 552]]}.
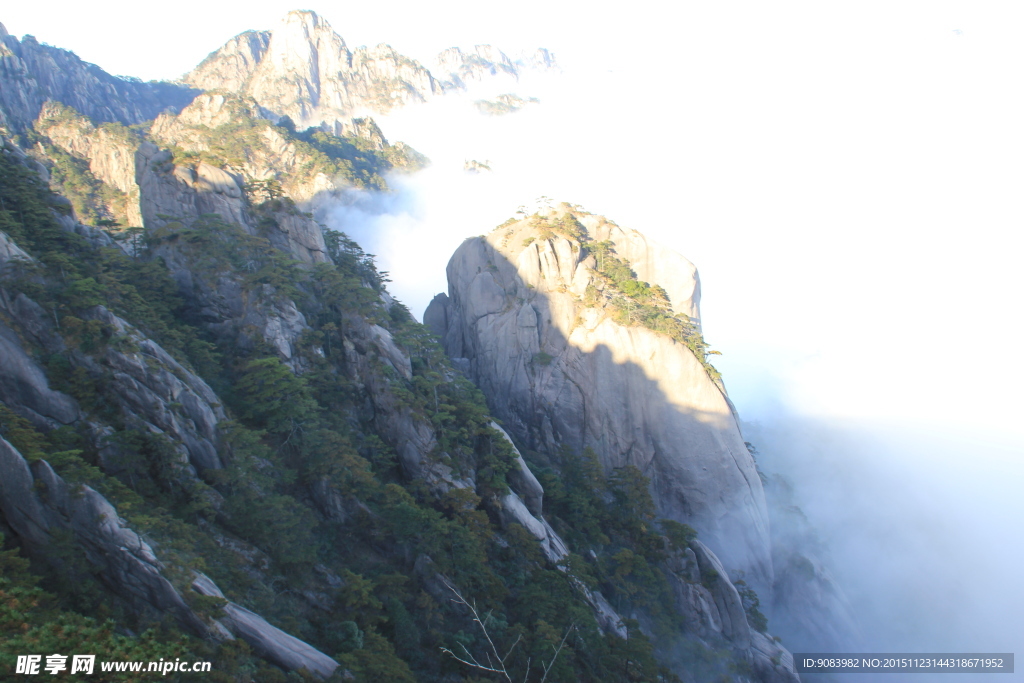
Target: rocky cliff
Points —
{"points": [[310, 168], [109, 151], [551, 340], [33, 73], [302, 69], [585, 337], [146, 428], [222, 439]]}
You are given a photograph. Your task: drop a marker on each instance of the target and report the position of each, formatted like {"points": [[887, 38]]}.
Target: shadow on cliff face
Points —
{"points": [[559, 374]]}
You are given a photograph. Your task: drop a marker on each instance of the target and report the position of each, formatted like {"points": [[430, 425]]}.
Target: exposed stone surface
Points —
{"points": [[772, 663], [287, 651], [9, 148], [9, 251], [523, 506], [230, 67], [436, 315], [457, 68], [304, 70], [109, 150], [271, 154], [727, 599], [269, 641], [36, 502], [652, 263], [153, 389], [558, 373], [713, 610], [181, 193], [32, 73], [523, 480], [177, 197], [369, 349], [171, 193], [23, 384], [158, 390]]}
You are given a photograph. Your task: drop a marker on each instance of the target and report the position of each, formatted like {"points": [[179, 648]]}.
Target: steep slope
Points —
{"points": [[268, 449], [221, 423], [308, 167], [109, 152], [220, 139], [304, 70], [32, 73], [546, 316], [604, 378]]}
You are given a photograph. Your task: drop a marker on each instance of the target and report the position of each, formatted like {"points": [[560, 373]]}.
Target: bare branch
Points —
{"points": [[471, 661], [475, 666], [518, 638], [569, 630], [494, 649], [470, 656]]}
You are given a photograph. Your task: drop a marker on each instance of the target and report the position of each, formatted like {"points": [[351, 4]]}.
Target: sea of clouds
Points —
{"points": [[849, 198]]}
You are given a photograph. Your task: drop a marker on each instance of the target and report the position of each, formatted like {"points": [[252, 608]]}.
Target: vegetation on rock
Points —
{"points": [[630, 300], [291, 439]]}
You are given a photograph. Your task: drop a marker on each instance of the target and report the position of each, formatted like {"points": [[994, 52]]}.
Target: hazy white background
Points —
{"points": [[848, 179]]}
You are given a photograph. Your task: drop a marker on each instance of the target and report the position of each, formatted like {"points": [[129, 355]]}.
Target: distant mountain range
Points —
{"points": [[301, 69]]}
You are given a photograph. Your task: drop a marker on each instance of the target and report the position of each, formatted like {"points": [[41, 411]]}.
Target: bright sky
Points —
{"points": [[846, 176]]}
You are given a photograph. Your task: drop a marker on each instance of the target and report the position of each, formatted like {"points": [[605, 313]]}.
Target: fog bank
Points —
{"points": [[847, 186]]}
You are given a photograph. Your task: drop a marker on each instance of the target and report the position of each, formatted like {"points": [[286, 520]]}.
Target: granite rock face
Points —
{"points": [[270, 153], [37, 503], [110, 151], [183, 194], [304, 70], [557, 372], [230, 67], [23, 382], [457, 68], [158, 391], [11, 254], [32, 73], [153, 393], [283, 649], [175, 198]]}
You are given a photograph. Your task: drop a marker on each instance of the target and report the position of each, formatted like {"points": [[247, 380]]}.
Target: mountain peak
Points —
{"points": [[304, 70], [305, 25], [304, 15], [584, 334]]}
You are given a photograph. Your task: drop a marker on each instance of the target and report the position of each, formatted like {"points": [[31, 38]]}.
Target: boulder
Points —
{"points": [[268, 641]]}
